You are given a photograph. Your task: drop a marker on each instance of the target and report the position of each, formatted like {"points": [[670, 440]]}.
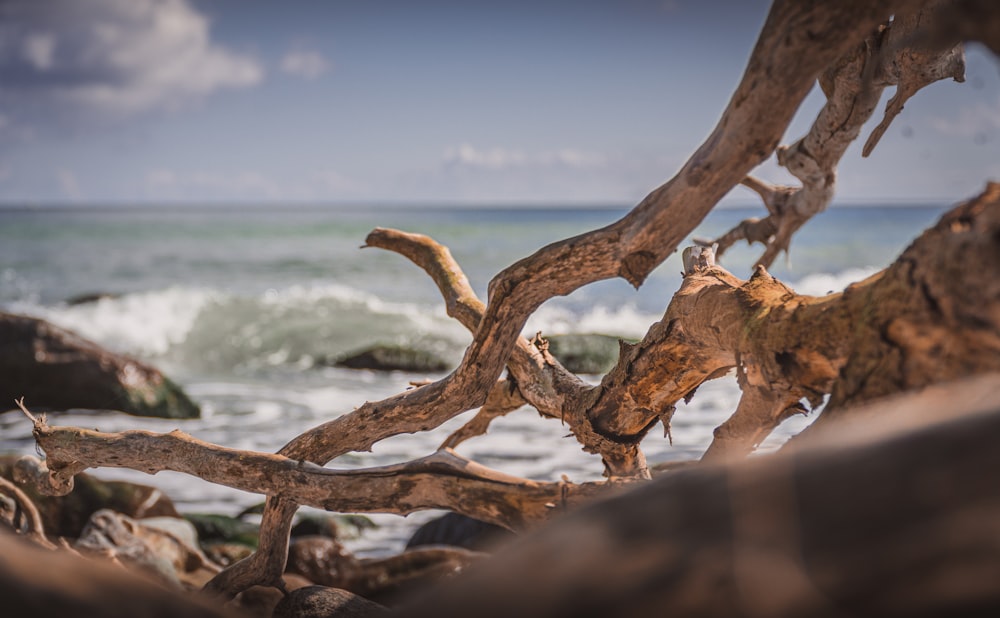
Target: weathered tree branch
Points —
{"points": [[441, 480], [893, 56], [798, 42]]}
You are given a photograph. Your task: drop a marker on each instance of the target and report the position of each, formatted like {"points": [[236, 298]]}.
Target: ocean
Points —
{"points": [[239, 305]]}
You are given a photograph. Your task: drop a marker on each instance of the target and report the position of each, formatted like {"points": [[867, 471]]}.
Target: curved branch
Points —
{"points": [[853, 87]]}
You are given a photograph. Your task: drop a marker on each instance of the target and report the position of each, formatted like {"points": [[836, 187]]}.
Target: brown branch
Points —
{"points": [[798, 41], [926, 318], [853, 86], [441, 480], [25, 519]]}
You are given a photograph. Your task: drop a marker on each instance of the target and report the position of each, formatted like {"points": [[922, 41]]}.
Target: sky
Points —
{"points": [[405, 102]]}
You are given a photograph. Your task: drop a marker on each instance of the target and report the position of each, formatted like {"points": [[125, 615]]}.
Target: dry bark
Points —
{"points": [[893, 517], [853, 86], [785, 347], [803, 39]]}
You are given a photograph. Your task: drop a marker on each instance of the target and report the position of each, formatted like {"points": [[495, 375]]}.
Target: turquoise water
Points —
{"points": [[237, 304]]}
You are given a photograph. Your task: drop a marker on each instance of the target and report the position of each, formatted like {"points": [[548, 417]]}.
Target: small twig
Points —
{"points": [[34, 420]]}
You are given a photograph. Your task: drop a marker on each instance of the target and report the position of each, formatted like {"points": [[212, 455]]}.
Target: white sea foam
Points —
{"points": [[146, 323], [821, 284], [623, 321]]}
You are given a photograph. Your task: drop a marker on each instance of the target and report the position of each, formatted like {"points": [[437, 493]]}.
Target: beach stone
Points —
{"points": [[167, 550], [260, 601], [54, 368], [394, 358], [322, 560], [89, 297], [588, 353], [222, 529], [459, 530], [324, 602], [225, 554], [67, 515]]}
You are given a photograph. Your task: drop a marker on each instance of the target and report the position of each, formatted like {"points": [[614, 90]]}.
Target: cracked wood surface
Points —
{"points": [[898, 54]]}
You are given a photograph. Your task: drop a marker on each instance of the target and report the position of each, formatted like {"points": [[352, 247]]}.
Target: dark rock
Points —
{"points": [[67, 515], [150, 550], [323, 602], [316, 526], [590, 353], [225, 554], [222, 529], [260, 601], [89, 297], [394, 358], [322, 560], [459, 531], [54, 368]]}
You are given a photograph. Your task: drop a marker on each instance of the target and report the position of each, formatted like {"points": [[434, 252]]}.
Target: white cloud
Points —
{"points": [[116, 55], [466, 155], [307, 64]]}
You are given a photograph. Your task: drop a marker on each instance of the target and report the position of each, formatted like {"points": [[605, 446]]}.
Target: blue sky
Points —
{"points": [[134, 101]]}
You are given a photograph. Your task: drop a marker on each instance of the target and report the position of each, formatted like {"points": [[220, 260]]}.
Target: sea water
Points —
{"points": [[240, 305]]}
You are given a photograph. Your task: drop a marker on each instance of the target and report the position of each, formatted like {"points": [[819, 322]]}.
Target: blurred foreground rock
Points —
{"points": [[54, 368], [893, 513], [66, 516]]}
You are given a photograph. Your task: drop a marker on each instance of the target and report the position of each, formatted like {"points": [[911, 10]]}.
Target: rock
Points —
{"points": [[225, 554], [52, 367], [154, 550], [58, 584], [322, 560], [590, 353], [323, 602], [67, 515], [221, 529], [394, 358], [260, 601], [459, 531], [316, 525], [89, 297]]}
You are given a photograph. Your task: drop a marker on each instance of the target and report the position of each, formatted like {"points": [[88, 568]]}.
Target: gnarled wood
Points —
{"points": [[892, 56]]}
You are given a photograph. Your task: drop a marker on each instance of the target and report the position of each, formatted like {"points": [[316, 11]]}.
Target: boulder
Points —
{"points": [[67, 515], [322, 560], [459, 530], [221, 529], [153, 550], [393, 358], [323, 602], [589, 353], [54, 368]]}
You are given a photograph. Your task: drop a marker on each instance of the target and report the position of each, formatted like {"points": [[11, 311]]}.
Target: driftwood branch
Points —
{"points": [[785, 348], [893, 517], [896, 54], [441, 480]]}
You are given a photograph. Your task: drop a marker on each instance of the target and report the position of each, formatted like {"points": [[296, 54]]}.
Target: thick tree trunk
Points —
{"points": [[899, 517]]}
